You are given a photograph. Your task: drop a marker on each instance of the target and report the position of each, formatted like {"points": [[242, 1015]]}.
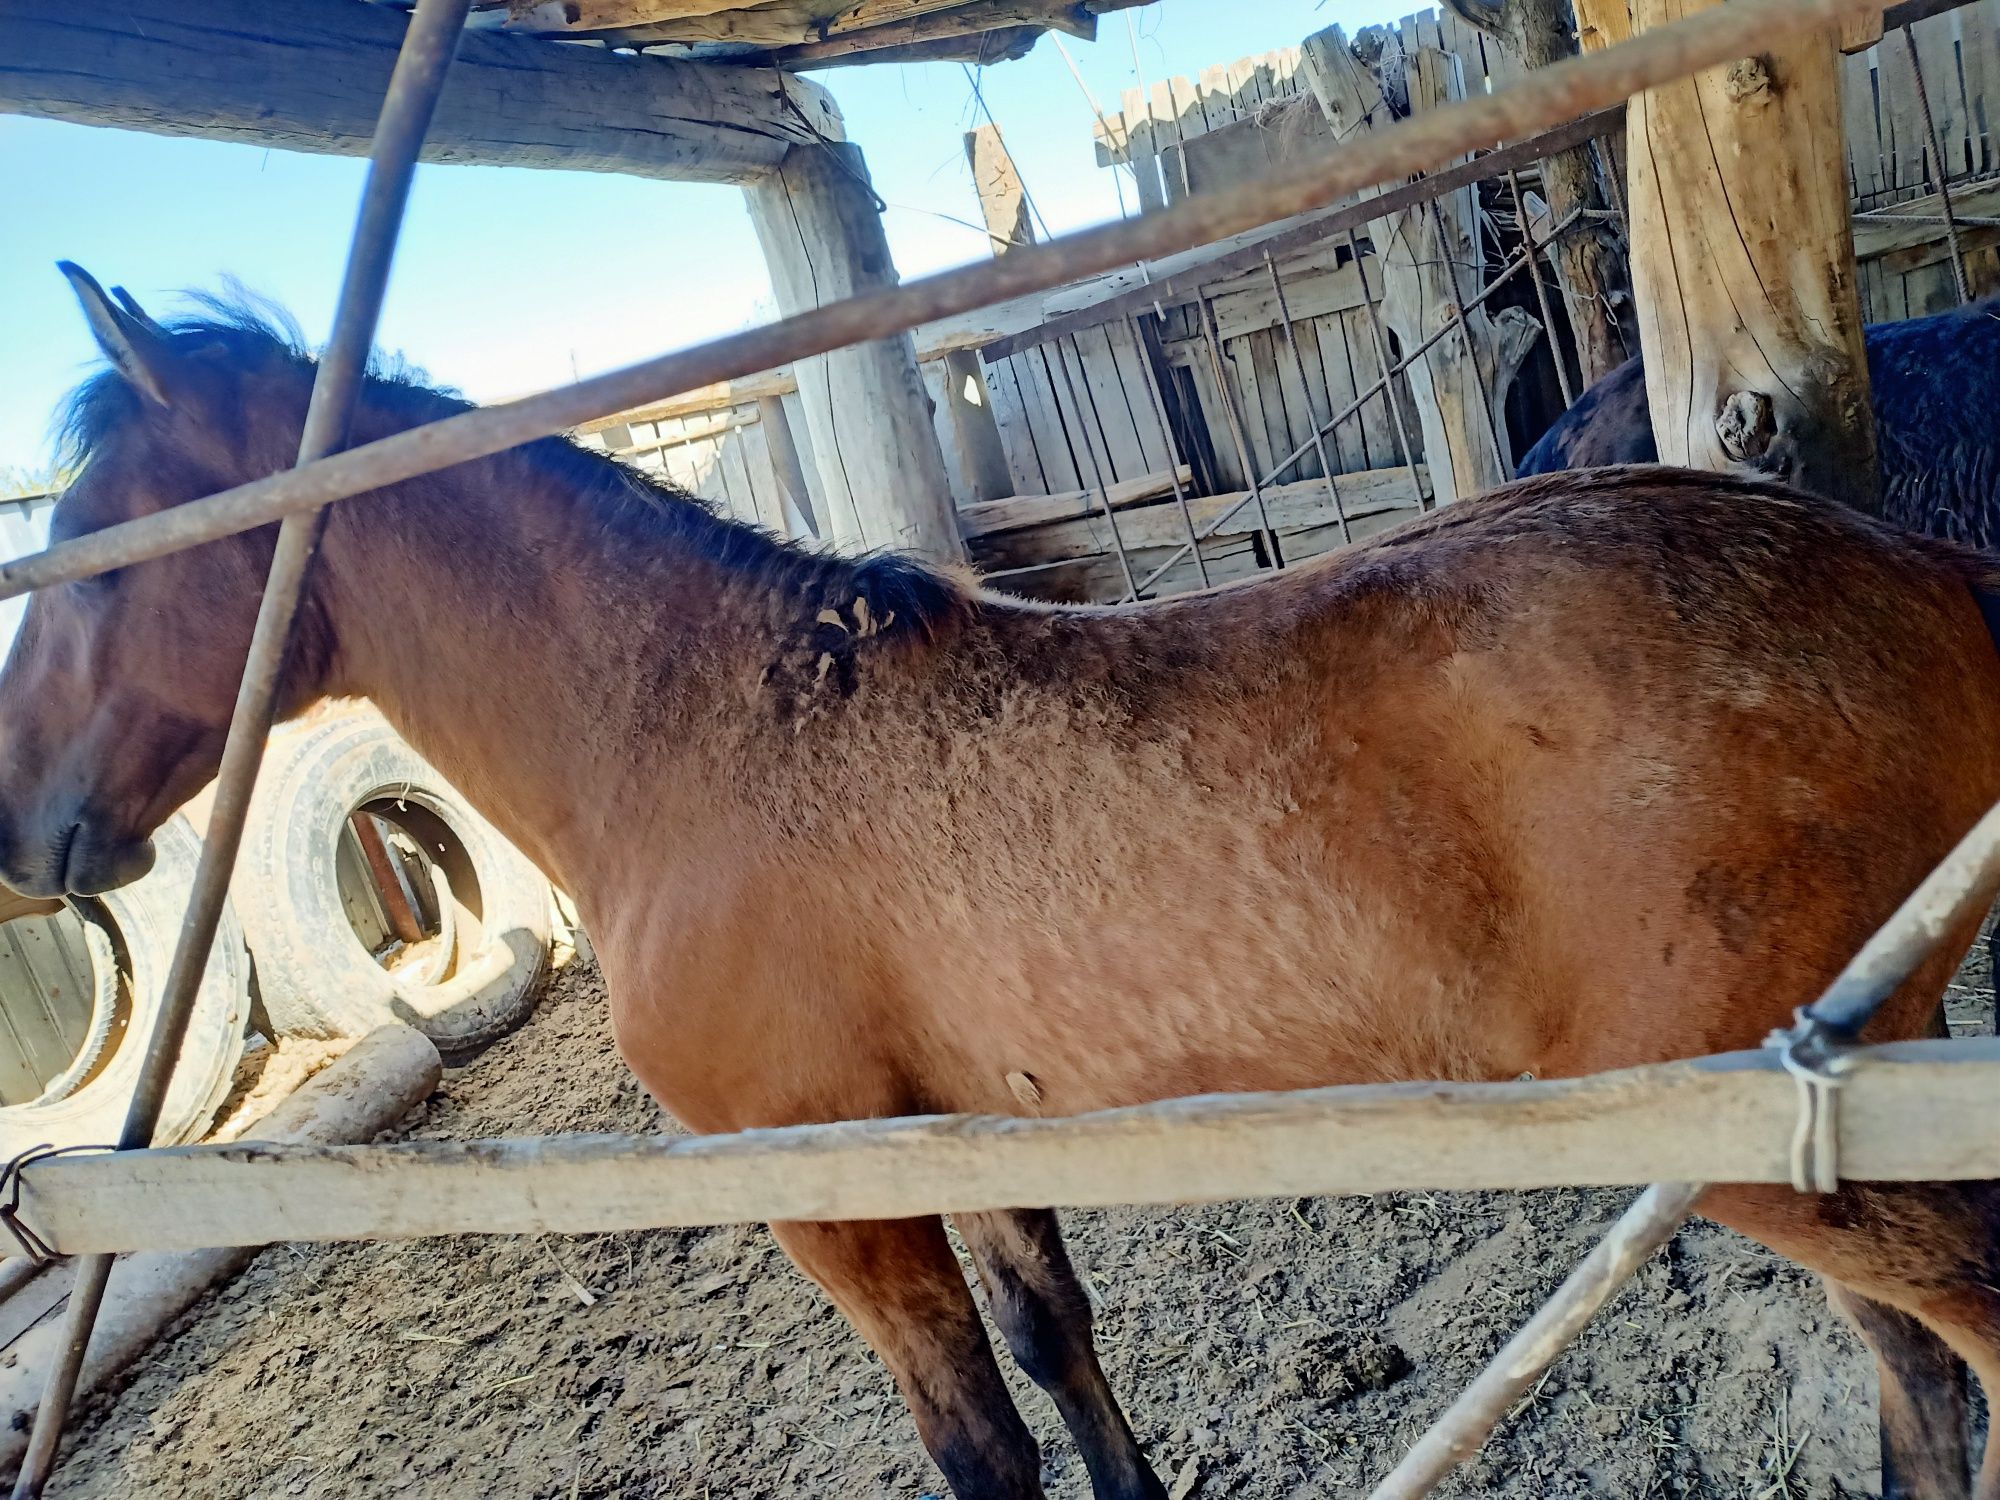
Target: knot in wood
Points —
{"points": [[1745, 426], [1748, 78]]}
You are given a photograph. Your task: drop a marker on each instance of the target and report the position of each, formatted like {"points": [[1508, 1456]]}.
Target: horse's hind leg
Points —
{"points": [[1929, 1251], [901, 1287], [1044, 1314], [1924, 1449]]}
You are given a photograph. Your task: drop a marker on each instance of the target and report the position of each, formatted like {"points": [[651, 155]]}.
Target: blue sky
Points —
{"points": [[509, 281]]}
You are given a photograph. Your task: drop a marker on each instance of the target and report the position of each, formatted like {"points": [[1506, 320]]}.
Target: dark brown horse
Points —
{"points": [[1600, 769]]}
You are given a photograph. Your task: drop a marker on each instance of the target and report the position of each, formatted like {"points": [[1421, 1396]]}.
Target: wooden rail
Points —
{"points": [[1910, 1111]]}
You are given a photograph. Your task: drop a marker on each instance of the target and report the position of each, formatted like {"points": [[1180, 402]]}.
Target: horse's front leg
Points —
{"points": [[898, 1283]]}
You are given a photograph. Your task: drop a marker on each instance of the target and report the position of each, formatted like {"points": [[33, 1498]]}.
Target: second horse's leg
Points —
{"points": [[901, 1287], [1044, 1314]]}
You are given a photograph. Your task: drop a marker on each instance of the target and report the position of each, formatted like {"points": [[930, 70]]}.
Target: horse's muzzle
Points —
{"points": [[75, 856]]}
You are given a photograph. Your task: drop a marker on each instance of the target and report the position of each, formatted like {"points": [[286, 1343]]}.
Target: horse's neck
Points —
{"points": [[540, 666]]}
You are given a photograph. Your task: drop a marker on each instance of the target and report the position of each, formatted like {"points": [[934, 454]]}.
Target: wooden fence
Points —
{"points": [[1069, 393]]}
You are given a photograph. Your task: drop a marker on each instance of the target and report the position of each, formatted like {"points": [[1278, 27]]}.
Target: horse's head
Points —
{"points": [[116, 697]]}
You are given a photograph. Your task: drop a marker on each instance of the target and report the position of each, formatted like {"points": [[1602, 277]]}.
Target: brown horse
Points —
{"points": [[1600, 769]]}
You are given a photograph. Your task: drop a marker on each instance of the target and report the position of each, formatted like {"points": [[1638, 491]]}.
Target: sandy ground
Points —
{"points": [[1263, 1349]]}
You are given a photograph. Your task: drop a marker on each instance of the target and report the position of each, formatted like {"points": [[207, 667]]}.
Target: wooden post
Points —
{"points": [[975, 434], [1431, 258], [784, 450], [1743, 262], [867, 415], [1003, 201]]}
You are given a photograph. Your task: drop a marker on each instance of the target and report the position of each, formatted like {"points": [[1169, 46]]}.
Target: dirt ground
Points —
{"points": [[1262, 1349]]}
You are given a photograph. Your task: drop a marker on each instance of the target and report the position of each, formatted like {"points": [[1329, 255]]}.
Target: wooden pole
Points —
{"points": [[1743, 260], [1908, 1111], [1467, 1423], [784, 449], [867, 414]]}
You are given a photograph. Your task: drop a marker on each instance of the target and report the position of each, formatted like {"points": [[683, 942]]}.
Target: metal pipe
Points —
{"points": [[1541, 289], [1960, 886], [1382, 359], [1097, 474], [1543, 98], [421, 68], [1305, 394], [1172, 447], [1211, 336], [1958, 275]]}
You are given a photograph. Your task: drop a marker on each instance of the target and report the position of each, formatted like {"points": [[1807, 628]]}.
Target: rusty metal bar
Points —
{"points": [[421, 68], [1097, 475], [1960, 886], [1173, 448], [1212, 337], [1958, 275], [404, 922], [1540, 100], [1382, 359], [1305, 394], [1541, 287]]}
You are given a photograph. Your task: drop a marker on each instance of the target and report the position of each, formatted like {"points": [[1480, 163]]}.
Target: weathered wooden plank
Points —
{"points": [[1937, 56], [1266, 364], [308, 76], [1010, 415], [1019, 511], [1979, 53], [1881, 237], [1914, 1111], [1902, 122], [1063, 461], [1344, 379], [1123, 356], [1384, 494], [1866, 159]]}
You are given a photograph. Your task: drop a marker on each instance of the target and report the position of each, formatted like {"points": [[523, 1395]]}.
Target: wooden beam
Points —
{"points": [[309, 75], [1742, 258], [1913, 1111], [869, 419], [980, 48]]}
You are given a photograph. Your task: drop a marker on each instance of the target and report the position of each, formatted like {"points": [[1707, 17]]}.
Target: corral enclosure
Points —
{"points": [[1103, 387]]}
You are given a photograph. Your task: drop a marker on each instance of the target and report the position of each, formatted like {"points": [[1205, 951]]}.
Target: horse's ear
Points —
{"points": [[135, 345]]}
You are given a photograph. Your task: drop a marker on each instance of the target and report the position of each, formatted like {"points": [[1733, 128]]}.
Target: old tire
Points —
{"points": [[473, 980], [135, 930]]}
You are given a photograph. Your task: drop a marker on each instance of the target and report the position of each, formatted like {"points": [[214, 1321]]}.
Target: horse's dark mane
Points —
{"points": [[639, 510]]}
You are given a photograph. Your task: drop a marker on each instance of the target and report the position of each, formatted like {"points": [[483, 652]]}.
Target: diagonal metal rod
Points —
{"points": [[1173, 447], [1540, 100], [1959, 278], [1959, 888], [421, 68], [1305, 395]]}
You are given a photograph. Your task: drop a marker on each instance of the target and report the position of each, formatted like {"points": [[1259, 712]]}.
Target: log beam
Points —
{"points": [[309, 75], [1909, 1111], [1743, 262], [867, 414]]}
